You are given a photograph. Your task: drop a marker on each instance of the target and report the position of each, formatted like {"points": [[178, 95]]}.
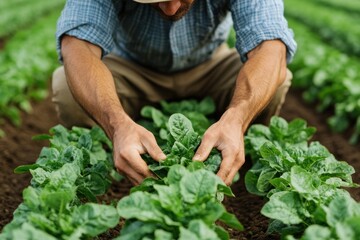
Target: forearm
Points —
{"points": [[91, 83], [257, 82]]}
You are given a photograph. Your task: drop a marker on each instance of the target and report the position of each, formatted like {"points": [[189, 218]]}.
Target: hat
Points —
{"points": [[151, 1]]}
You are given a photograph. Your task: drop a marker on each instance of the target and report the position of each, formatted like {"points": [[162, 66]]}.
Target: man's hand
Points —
{"points": [[227, 136], [92, 85], [130, 141], [256, 84]]}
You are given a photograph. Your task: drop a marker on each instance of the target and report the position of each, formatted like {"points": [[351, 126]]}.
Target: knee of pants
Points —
{"points": [[69, 111]]}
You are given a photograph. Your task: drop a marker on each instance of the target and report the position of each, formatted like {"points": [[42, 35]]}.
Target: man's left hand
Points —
{"points": [[227, 136]]}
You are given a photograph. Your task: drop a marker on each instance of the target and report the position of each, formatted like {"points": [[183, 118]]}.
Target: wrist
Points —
{"points": [[117, 124], [236, 116]]}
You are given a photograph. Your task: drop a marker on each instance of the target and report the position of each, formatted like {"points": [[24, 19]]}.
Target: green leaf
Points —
{"points": [[231, 220], [179, 126], [222, 233], [349, 229], [283, 206], [222, 188], [85, 141], [25, 168], [303, 181], [186, 234], [29, 232], [317, 232], [170, 198], [341, 208], [40, 176], [263, 182], [146, 186], [198, 185], [136, 230], [41, 137], [176, 173], [94, 219], [141, 206], [207, 106], [213, 163], [163, 235], [202, 230]]}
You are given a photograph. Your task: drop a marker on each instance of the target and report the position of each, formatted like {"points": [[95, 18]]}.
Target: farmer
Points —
{"points": [[120, 55]]}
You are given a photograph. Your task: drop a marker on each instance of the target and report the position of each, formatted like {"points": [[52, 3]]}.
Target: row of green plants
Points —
{"points": [[60, 202], [183, 202], [303, 183], [17, 14], [328, 78], [26, 62], [350, 6], [336, 27]]}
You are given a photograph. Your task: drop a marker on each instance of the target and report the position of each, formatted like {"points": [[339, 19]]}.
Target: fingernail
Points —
{"points": [[162, 156], [196, 157]]}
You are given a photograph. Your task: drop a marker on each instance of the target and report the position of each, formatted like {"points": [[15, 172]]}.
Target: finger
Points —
{"points": [[207, 144], [226, 164], [137, 164], [135, 180], [239, 161], [152, 148], [229, 180]]}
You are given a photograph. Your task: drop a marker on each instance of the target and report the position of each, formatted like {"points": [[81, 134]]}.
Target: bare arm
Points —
{"points": [[92, 85], [257, 82]]}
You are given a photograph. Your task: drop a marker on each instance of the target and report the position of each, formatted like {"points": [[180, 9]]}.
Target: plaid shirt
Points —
{"points": [[137, 32]]}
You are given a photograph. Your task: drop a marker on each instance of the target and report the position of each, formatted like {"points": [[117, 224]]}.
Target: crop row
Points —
{"points": [[346, 5], [184, 202], [16, 14], [301, 180], [26, 62], [73, 170], [303, 183], [336, 27], [329, 78]]}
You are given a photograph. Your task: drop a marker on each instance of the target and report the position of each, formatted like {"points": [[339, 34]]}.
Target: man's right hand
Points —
{"points": [[92, 86], [130, 140]]}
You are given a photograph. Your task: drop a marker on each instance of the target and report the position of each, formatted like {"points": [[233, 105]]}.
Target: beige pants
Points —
{"points": [[138, 86]]}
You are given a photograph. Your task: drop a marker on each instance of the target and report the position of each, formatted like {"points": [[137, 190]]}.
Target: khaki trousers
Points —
{"points": [[138, 86]]}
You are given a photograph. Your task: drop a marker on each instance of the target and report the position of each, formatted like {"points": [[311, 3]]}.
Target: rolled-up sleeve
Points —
{"points": [[258, 20], [90, 20]]}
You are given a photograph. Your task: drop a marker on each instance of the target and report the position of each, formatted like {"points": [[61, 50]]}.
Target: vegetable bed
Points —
{"points": [[18, 148]]}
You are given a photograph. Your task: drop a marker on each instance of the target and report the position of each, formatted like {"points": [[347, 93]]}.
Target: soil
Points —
{"points": [[17, 148]]}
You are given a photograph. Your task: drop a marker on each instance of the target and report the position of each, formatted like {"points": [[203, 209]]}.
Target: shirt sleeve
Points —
{"points": [[90, 20], [258, 20]]}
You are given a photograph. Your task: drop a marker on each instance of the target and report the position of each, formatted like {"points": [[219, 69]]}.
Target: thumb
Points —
{"points": [[153, 149], [204, 149]]}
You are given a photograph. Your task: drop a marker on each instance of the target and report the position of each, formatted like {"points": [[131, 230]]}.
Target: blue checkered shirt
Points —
{"points": [[137, 32]]}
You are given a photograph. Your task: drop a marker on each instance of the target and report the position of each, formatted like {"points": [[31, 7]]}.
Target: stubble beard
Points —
{"points": [[180, 13]]}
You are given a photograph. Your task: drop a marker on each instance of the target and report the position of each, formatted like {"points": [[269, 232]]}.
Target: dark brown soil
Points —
{"points": [[17, 148], [2, 43]]}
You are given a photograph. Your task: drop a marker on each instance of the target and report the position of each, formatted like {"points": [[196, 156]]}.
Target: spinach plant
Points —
{"points": [[301, 180], [185, 200], [73, 170]]}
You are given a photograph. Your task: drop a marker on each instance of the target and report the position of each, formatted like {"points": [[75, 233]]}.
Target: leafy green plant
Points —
{"points": [[348, 6], [329, 78], [184, 206], [75, 168], [184, 202], [26, 62], [301, 180], [333, 26], [19, 13]]}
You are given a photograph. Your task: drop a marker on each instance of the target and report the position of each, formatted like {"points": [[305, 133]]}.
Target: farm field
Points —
{"points": [[33, 113]]}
